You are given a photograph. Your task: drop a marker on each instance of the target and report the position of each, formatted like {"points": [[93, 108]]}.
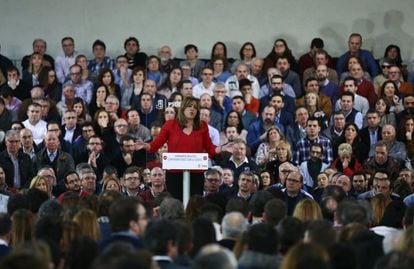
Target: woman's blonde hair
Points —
{"points": [[344, 149], [36, 181], [22, 227], [88, 223], [286, 145], [308, 210], [379, 203]]}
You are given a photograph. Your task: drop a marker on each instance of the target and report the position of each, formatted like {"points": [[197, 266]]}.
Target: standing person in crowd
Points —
{"points": [[186, 134]]}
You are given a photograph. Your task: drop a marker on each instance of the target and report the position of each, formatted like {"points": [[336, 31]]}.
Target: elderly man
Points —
{"points": [[232, 83], [39, 46], [397, 149], [354, 49], [233, 225], [16, 165], [394, 74], [54, 157], [167, 62], [293, 191]]}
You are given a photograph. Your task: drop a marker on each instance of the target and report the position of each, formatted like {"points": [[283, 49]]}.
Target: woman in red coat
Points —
{"points": [[185, 134], [346, 162]]}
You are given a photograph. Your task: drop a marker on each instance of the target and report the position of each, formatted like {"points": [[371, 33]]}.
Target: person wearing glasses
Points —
{"points": [[293, 191], [206, 85], [83, 88], [131, 181], [16, 165]]}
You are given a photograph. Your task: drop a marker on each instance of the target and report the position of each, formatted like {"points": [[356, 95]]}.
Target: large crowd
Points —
{"points": [[310, 159]]}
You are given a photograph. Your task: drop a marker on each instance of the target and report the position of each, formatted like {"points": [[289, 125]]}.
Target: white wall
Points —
{"points": [[203, 22]]}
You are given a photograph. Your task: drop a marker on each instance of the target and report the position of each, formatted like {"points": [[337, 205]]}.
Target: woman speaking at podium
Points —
{"points": [[184, 134]]}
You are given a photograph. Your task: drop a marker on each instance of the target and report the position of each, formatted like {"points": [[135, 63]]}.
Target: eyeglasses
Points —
{"points": [[213, 180], [385, 66]]}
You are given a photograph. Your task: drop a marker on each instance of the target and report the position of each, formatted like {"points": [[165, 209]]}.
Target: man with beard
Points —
{"points": [[257, 130], [310, 169], [289, 76], [276, 83], [72, 184], [167, 62], [408, 103], [326, 86]]}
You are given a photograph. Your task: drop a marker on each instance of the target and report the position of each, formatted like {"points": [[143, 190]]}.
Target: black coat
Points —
{"points": [[25, 168]]}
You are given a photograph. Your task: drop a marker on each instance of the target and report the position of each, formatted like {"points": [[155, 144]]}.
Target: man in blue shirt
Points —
{"points": [[354, 45]]}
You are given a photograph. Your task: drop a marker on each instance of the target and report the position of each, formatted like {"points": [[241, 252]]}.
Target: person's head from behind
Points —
{"points": [[128, 214]]}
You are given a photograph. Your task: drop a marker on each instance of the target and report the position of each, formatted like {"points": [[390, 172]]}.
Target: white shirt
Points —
{"points": [[63, 64], [214, 135], [38, 131], [232, 84], [361, 104], [200, 89], [69, 134]]}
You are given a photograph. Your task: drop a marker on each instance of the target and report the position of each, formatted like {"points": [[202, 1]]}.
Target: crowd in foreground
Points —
{"points": [[310, 161]]}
